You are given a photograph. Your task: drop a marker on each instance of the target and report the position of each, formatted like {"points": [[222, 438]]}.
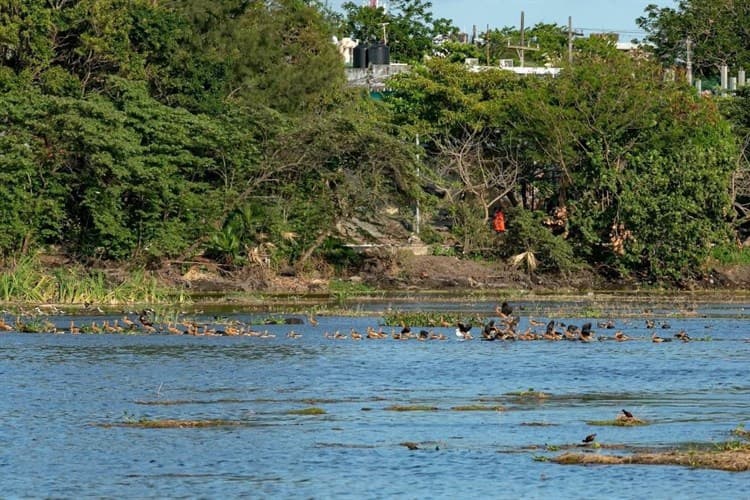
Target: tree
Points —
{"points": [[276, 54], [409, 25], [344, 165], [641, 164], [716, 30], [472, 153]]}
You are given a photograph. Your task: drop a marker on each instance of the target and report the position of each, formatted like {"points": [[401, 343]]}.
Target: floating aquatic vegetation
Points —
{"points": [[729, 457], [411, 408], [313, 410], [620, 421], [741, 432], [529, 394], [427, 319], [176, 402], [168, 423], [478, 408]]}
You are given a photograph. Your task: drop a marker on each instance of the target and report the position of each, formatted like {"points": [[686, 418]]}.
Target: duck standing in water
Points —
{"points": [[490, 331], [463, 331], [505, 310], [585, 335], [589, 439], [682, 335], [620, 336]]}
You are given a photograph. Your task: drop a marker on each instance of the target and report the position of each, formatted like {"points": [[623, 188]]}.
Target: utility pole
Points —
{"points": [[385, 34], [571, 35], [570, 40], [522, 48], [487, 44], [689, 61]]}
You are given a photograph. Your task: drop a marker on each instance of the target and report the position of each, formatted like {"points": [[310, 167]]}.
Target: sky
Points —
{"points": [[588, 15]]}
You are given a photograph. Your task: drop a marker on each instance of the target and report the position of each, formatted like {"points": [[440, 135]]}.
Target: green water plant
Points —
{"points": [[411, 408], [478, 408], [619, 422], [741, 431], [167, 423], [529, 394], [313, 410]]}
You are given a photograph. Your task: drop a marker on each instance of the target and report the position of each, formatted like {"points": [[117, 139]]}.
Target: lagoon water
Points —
{"points": [[61, 397]]}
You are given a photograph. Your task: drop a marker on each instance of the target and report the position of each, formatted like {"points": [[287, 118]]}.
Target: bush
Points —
{"points": [[526, 233]]}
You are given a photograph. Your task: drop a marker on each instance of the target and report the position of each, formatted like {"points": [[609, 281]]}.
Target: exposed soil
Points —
{"points": [[401, 270], [382, 269], [390, 268]]}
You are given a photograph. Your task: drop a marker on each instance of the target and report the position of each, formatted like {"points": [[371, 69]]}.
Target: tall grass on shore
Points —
{"points": [[27, 281]]}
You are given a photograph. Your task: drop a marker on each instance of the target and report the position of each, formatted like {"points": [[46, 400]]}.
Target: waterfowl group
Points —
{"points": [[503, 327]]}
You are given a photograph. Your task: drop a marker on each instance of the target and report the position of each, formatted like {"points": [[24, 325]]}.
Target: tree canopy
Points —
{"points": [[141, 131]]}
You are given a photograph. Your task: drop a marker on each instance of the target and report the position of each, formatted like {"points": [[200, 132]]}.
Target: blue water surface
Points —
{"points": [[61, 393]]}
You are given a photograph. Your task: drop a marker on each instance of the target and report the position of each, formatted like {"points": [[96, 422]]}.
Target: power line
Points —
{"points": [[612, 30]]}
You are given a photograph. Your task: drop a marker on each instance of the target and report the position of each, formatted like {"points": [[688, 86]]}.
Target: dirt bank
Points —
{"points": [[405, 271]]}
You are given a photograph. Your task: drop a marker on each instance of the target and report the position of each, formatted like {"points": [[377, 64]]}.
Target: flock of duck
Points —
{"points": [[503, 328]]}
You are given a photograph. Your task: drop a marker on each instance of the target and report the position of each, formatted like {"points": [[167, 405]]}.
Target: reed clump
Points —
{"points": [[28, 281]]}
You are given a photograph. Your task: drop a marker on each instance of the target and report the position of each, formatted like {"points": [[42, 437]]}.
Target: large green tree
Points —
{"points": [[409, 27], [641, 164], [716, 30], [631, 168]]}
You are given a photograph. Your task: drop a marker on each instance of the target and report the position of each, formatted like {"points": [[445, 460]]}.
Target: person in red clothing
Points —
{"points": [[498, 221]]}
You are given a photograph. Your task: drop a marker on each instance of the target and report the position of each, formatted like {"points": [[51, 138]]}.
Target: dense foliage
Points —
{"points": [[716, 32], [630, 170], [143, 131]]}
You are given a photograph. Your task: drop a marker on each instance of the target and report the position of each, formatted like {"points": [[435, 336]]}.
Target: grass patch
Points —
{"points": [[733, 457], [477, 408], [411, 408], [731, 255], [28, 281], [313, 410]]}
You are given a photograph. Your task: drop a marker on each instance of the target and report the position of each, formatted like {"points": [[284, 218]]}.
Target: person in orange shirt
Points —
{"points": [[498, 221]]}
